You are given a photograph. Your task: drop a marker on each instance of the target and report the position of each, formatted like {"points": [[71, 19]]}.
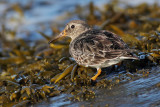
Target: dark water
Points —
{"points": [[140, 92]]}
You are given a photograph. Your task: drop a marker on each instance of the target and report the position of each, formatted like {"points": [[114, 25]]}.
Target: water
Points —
{"points": [[140, 92]]}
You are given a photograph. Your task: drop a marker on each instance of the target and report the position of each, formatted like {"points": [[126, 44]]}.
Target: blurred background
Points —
{"points": [[26, 17]]}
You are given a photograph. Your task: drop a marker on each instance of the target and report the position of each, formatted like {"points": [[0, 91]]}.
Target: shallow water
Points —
{"points": [[140, 92]]}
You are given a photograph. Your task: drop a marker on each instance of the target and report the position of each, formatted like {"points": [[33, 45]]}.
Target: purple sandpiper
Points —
{"points": [[94, 48]]}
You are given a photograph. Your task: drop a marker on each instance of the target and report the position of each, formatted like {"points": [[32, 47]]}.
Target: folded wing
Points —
{"points": [[98, 46]]}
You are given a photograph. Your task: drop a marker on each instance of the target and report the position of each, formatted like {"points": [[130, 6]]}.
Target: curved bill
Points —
{"points": [[62, 34]]}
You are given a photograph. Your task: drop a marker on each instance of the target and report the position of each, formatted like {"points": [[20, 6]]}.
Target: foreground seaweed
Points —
{"points": [[33, 73]]}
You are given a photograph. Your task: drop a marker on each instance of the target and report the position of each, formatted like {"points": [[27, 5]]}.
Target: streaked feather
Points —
{"points": [[95, 47]]}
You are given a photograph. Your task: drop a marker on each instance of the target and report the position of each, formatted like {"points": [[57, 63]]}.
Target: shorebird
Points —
{"points": [[94, 48]]}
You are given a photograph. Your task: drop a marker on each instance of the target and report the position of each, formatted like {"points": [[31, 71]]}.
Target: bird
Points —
{"points": [[94, 48]]}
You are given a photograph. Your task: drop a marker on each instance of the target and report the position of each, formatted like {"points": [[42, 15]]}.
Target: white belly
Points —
{"points": [[106, 64]]}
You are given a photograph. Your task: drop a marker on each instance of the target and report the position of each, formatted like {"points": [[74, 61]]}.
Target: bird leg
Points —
{"points": [[119, 63], [98, 73]]}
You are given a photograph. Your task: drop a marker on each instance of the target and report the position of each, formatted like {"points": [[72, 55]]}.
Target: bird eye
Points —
{"points": [[72, 26]]}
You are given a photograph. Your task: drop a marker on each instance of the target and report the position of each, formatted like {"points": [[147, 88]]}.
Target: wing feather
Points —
{"points": [[98, 46]]}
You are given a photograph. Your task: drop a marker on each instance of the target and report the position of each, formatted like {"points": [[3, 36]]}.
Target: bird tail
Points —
{"points": [[129, 54], [129, 57]]}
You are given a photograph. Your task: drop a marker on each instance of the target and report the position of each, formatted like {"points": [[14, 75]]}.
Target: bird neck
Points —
{"points": [[77, 34]]}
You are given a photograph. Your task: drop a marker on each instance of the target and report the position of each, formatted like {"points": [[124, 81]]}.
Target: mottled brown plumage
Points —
{"points": [[95, 48]]}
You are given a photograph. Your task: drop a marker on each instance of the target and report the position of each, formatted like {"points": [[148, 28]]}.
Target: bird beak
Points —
{"points": [[62, 34]]}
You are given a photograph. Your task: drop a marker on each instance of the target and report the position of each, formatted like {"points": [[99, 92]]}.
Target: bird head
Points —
{"points": [[73, 29]]}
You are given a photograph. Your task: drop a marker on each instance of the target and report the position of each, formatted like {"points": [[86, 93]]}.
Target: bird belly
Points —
{"points": [[106, 63]]}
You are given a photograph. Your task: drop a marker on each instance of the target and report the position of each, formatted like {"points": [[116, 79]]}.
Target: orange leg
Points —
{"points": [[98, 73], [119, 63]]}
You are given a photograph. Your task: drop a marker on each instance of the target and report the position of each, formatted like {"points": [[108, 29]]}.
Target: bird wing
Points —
{"points": [[97, 46]]}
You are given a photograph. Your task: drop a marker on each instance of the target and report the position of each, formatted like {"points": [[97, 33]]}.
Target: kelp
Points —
{"points": [[66, 71]]}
